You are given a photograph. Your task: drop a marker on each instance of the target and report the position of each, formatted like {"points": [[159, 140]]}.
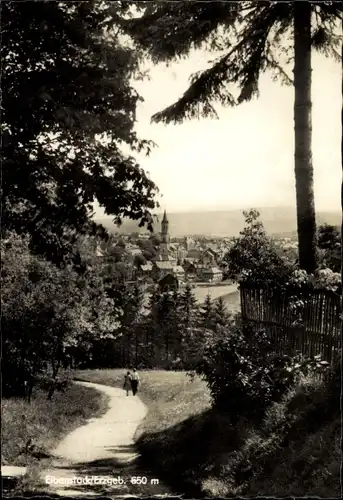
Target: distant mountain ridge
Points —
{"points": [[277, 221]]}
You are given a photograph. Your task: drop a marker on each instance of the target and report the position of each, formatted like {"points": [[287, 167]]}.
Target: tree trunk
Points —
{"points": [[342, 186], [55, 370], [303, 168]]}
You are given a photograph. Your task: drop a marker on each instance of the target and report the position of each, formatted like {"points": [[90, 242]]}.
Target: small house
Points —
{"points": [[212, 274], [145, 270]]}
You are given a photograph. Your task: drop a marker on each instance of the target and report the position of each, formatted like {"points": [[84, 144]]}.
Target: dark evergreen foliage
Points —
{"points": [[329, 242]]}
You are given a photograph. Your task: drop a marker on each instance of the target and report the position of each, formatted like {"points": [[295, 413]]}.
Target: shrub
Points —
{"points": [[52, 384], [254, 257], [329, 243], [326, 279], [245, 375]]}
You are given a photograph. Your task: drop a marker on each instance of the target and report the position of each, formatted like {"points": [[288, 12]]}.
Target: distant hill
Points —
{"points": [[277, 221]]}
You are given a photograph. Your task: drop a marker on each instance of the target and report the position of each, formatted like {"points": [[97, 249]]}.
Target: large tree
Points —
{"points": [[251, 37], [66, 82], [49, 313]]}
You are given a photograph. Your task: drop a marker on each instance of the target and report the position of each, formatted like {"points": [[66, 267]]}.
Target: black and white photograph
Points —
{"points": [[171, 248]]}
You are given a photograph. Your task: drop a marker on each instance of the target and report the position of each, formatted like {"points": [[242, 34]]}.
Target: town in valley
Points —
{"points": [[170, 262]]}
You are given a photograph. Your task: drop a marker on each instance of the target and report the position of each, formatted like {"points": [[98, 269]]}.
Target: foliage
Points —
{"points": [[187, 308], [169, 330], [245, 375], [139, 260], [288, 249], [207, 314], [328, 237], [253, 257], [255, 260], [246, 37], [129, 325], [155, 239], [173, 330], [68, 113], [324, 279], [116, 253], [220, 312], [309, 408], [47, 314], [149, 247], [329, 242]]}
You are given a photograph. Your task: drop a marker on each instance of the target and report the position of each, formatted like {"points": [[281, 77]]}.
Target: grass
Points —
{"points": [[305, 459], [110, 377], [195, 449], [45, 423], [310, 466]]}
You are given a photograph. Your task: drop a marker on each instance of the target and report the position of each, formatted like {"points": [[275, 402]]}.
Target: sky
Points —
{"points": [[246, 157]]}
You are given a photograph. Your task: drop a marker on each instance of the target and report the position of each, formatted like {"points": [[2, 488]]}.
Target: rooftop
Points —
{"points": [[164, 264], [213, 270], [146, 267]]}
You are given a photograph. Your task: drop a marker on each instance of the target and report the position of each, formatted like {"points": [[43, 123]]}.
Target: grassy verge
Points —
{"points": [[112, 378], [45, 423], [195, 450], [304, 455]]}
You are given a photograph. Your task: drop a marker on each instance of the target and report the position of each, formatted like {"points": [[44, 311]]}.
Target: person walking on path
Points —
{"points": [[134, 381], [127, 383]]}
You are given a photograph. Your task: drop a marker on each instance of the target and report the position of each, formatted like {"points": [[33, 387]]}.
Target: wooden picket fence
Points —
{"points": [[314, 329]]}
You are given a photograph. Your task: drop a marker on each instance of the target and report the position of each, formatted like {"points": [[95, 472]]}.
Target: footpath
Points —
{"points": [[100, 458]]}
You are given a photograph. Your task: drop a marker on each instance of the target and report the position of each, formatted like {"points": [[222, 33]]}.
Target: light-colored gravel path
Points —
{"points": [[90, 459]]}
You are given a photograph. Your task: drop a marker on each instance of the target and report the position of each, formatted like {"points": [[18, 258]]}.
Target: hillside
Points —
{"points": [[277, 221]]}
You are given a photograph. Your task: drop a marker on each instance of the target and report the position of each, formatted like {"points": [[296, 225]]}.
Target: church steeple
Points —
{"points": [[164, 246], [165, 224]]}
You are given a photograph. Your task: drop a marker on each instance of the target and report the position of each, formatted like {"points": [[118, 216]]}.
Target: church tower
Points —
{"points": [[164, 246]]}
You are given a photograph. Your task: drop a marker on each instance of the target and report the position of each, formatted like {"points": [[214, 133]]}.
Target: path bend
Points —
{"points": [[104, 448]]}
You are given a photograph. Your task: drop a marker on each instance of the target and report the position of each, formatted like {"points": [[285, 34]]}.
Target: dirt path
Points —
{"points": [[91, 459]]}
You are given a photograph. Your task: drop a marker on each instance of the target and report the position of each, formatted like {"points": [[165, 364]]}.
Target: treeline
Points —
{"points": [[167, 329]]}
